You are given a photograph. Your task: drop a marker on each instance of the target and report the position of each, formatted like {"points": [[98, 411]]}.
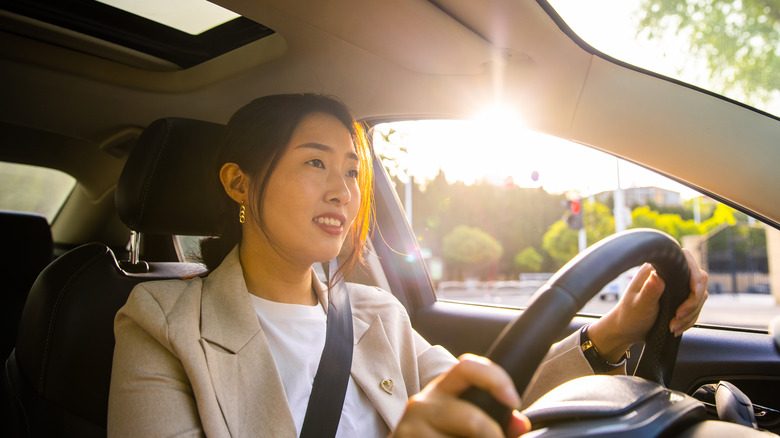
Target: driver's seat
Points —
{"points": [[57, 378]]}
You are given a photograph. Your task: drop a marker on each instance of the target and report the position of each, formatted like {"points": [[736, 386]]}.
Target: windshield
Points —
{"points": [[728, 47], [493, 231]]}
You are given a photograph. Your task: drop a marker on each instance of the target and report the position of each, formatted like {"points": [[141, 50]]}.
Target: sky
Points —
{"points": [[462, 151]]}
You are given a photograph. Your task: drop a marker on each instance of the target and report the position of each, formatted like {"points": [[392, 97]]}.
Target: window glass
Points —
{"points": [[33, 189], [188, 248], [723, 46], [494, 226], [191, 16]]}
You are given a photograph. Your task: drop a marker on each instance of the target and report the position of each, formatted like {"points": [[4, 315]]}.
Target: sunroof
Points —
{"points": [[184, 32], [191, 16]]}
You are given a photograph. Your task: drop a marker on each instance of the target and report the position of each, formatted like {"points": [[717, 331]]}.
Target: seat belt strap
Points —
{"points": [[330, 382]]}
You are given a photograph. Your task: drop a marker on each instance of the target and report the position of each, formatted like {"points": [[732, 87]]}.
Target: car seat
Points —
{"points": [[27, 249], [57, 378]]}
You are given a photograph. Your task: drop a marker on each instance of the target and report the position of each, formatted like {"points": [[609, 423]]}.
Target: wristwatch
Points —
{"points": [[596, 361]]}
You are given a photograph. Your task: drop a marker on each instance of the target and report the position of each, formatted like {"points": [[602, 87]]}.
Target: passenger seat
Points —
{"points": [[57, 377]]}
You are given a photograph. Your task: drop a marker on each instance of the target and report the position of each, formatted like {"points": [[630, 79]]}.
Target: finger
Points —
{"points": [[448, 416], [652, 286], [688, 312], [698, 276], [692, 305], [518, 425], [681, 324], [478, 371], [413, 430], [640, 278]]}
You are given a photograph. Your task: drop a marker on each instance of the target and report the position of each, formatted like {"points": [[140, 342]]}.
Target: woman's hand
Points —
{"points": [[436, 411], [631, 319]]}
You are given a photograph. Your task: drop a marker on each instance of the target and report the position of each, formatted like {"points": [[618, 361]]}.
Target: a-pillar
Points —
{"points": [[773, 255]]}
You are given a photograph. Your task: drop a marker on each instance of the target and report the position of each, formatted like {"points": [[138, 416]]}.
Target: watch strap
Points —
{"points": [[595, 359]]}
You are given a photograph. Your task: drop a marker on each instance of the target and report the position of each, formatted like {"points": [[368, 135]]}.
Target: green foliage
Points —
{"points": [[739, 40], [470, 250], [562, 243], [676, 226], [599, 222], [529, 260], [393, 153], [516, 217], [722, 214]]}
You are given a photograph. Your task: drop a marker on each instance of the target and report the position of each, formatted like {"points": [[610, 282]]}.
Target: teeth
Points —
{"points": [[328, 221]]}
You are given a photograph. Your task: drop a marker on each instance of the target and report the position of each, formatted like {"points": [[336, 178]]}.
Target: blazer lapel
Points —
{"points": [[374, 366], [376, 369], [242, 370]]}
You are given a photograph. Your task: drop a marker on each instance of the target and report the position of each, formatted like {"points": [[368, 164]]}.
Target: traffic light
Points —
{"points": [[574, 216]]}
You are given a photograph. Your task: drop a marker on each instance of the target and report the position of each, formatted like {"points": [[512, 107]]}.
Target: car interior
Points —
{"points": [[132, 111]]}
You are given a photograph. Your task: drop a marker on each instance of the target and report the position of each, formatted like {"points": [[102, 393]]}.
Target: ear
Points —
{"points": [[235, 182]]}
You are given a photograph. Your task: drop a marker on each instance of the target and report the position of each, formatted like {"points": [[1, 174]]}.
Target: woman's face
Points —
{"points": [[312, 196]]}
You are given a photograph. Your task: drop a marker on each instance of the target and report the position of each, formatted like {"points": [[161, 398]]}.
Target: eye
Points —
{"points": [[352, 173], [316, 163]]}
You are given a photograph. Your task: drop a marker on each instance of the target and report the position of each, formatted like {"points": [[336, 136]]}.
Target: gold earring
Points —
{"points": [[242, 213]]}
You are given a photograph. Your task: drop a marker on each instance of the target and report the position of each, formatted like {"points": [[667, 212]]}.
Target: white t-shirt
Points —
{"points": [[296, 335]]}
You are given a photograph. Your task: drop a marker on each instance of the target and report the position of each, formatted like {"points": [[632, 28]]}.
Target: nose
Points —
{"points": [[337, 189]]}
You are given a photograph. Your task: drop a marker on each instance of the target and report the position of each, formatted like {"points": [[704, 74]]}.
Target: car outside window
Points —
{"points": [[33, 189], [188, 248], [495, 216]]}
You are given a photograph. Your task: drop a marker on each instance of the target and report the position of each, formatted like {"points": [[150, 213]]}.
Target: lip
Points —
{"points": [[335, 230]]}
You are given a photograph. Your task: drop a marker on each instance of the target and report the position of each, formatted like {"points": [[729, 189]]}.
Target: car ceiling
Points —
{"points": [[450, 58]]}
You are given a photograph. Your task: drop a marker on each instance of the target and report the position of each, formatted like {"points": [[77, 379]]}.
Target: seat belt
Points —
{"points": [[330, 383]]}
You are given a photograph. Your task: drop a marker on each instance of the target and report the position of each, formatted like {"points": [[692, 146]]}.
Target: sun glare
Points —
{"points": [[496, 148]]}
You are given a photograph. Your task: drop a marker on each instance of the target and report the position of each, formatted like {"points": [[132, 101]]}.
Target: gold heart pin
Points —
{"points": [[387, 385]]}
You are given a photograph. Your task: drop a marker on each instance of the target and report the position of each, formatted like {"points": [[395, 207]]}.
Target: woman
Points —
{"points": [[234, 353]]}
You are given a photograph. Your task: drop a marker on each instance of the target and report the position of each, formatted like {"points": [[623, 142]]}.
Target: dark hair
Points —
{"points": [[256, 138]]}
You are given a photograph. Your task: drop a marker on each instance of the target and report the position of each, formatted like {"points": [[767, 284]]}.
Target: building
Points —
{"points": [[640, 196]]}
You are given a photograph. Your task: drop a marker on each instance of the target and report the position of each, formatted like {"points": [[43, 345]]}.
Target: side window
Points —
{"points": [[188, 248], [34, 189], [494, 222]]}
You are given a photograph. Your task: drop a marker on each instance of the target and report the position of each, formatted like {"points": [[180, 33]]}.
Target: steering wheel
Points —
{"points": [[523, 344]]}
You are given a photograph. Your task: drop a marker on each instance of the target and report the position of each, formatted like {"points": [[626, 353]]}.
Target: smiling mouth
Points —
{"points": [[328, 221]]}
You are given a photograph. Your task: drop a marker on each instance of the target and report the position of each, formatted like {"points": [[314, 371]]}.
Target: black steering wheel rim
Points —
{"points": [[522, 345]]}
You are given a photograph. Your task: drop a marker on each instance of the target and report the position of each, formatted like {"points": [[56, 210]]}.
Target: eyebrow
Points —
{"points": [[326, 148]]}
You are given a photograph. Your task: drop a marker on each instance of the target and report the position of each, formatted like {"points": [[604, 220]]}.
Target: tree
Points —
{"points": [[598, 220], [677, 227], [517, 217], [529, 260], [470, 250], [562, 243], [737, 39], [671, 224]]}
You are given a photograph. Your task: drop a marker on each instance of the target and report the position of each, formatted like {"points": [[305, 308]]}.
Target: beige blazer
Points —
{"points": [[191, 359]]}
